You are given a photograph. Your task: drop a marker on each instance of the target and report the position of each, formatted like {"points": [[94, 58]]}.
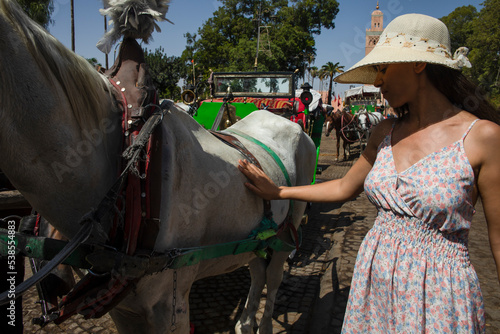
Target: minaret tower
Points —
{"points": [[373, 34]]}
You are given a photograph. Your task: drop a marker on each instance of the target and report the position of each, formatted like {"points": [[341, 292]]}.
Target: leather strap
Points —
{"points": [[236, 144]]}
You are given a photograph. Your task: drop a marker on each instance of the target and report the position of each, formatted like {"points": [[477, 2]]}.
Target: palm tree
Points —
{"points": [[313, 71], [330, 70], [310, 57]]}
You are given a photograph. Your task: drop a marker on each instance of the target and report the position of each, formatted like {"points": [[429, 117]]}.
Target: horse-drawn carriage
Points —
{"points": [[238, 94], [149, 199], [362, 111]]}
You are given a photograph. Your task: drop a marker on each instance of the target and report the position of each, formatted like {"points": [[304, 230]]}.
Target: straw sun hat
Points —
{"points": [[408, 38]]}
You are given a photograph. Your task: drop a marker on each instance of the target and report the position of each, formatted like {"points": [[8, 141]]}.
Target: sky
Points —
{"points": [[344, 44]]}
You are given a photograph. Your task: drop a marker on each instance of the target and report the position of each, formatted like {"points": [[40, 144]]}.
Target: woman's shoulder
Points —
{"points": [[379, 133], [482, 141], [485, 131]]}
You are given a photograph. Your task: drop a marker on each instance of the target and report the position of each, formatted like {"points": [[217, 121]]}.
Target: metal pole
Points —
{"points": [[194, 77], [258, 41], [105, 31], [72, 26]]}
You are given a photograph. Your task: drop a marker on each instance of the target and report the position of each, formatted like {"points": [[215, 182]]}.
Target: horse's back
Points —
{"points": [[262, 123], [286, 139]]}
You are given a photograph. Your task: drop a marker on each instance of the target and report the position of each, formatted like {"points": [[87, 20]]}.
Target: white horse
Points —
{"points": [[60, 140]]}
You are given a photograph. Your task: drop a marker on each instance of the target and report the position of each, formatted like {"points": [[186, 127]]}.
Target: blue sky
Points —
{"points": [[344, 44]]}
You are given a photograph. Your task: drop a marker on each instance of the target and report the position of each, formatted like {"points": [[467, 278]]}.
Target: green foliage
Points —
{"points": [[93, 61], [166, 72], [228, 40], [459, 23], [38, 10], [485, 49], [480, 32]]}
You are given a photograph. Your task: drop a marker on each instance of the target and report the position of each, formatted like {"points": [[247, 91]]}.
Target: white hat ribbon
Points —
{"points": [[460, 58]]}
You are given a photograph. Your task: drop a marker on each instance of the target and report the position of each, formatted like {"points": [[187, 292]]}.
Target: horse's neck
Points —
{"points": [[61, 169], [61, 160], [346, 117]]}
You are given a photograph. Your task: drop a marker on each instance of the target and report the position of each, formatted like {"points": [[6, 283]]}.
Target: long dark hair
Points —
{"points": [[460, 91]]}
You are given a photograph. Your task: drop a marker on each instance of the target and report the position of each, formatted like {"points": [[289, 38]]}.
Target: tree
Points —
{"points": [[480, 32], [310, 59], [330, 70], [485, 49], [313, 71], [228, 40], [459, 23], [166, 72], [94, 62], [38, 10]]}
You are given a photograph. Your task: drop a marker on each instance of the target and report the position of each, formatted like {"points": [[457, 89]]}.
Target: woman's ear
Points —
{"points": [[419, 67]]}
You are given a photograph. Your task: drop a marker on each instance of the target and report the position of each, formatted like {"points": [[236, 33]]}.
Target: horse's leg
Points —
{"points": [[274, 277], [127, 321], [258, 279], [150, 307], [338, 144], [347, 150]]}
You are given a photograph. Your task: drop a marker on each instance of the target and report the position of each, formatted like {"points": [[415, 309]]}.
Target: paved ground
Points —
{"points": [[313, 295]]}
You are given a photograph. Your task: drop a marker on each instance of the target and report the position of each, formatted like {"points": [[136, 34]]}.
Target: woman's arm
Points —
{"points": [[331, 191], [487, 152], [339, 190]]}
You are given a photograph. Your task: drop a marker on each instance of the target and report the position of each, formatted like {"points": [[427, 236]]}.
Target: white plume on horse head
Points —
{"points": [[132, 18]]}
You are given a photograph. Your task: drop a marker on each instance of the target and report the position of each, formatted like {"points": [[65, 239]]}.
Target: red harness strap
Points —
{"points": [[94, 296], [137, 199]]}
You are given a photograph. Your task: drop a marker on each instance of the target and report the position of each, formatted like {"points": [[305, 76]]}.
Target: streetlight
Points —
{"points": [[259, 14]]}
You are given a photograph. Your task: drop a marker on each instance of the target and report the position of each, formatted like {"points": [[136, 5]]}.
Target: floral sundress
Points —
{"points": [[413, 273]]}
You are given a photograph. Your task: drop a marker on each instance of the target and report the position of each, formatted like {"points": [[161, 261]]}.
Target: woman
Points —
{"points": [[424, 171]]}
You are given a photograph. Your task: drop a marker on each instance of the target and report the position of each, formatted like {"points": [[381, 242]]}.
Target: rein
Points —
{"points": [[342, 127]]}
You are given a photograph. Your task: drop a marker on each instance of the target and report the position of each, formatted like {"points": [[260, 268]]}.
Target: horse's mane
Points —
{"points": [[85, 89]]}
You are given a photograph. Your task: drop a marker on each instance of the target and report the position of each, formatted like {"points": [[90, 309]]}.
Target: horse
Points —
{"points": [[345, 125], [61, 142]]}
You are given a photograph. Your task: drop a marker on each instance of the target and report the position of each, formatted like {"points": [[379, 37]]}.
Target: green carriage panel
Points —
{"points": [[355, 108], [207, 112]]}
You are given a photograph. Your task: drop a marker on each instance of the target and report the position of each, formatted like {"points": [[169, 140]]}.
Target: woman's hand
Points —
{"points": [[260, 183]]}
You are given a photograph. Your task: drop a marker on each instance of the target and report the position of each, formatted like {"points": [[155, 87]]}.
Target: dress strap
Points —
{"points": [[470, 127]]}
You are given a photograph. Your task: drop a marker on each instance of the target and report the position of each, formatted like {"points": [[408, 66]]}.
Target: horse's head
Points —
{"points": [[363, 120]]}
